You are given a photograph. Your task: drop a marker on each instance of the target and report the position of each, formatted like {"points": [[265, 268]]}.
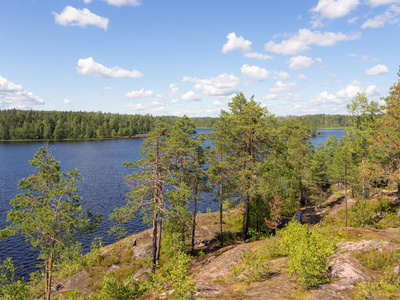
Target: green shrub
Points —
{"points": [[377, 260], [11, 286], [173, 273], [254, 266], [308, 252], [388, 287], [111, 289]]}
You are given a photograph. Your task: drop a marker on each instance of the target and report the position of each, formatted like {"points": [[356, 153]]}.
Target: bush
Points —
{"points": [[254, 265], [308, 252], [173, 274], [377, 260], [11, 286], [111, 289], [388, 287]]}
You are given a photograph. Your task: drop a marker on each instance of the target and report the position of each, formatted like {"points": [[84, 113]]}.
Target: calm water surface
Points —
{"points": [[103, 187]]}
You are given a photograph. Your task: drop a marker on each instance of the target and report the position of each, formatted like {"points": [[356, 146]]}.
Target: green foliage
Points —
{"points": [[111, 289], [388, 287], [254, 265], [173, 274], [378, 259], [11, 286], [308, 252], [48, 211], [31, 124]]}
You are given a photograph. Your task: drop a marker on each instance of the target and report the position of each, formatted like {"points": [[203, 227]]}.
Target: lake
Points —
{"points": [[102, 190]]}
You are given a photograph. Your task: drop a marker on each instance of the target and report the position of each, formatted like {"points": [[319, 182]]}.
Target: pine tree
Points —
{"points": [[48, 212]]}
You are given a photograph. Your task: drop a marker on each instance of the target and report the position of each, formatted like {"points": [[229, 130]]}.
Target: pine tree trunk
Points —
{"points": [[159, 237], [345, 193], [221, 237], [154, 243], [245, 216]]}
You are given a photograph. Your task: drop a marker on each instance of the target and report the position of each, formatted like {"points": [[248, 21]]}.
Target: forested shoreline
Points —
{"points": [[67, 125], [263, 166]]}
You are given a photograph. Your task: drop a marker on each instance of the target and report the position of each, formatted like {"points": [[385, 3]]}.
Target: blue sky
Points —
{"points": [[189, 57]]}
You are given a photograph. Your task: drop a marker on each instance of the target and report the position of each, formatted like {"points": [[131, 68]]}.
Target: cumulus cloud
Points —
{"points": [[257, 56], [305, 38], [141, 94], [235, 43], [332, 9], [14, 96], [89, 66], [123, 2], [190, 96], [87, 1], [79, 17], [270, 97], [282, 75], [173, 89], [390, 16], [136, 106], [217, 103], [108, 87], [302, 77], [300, 62], [224, 84], [375, 3], [66, 102], [345, 95], [377, 70], [254, 73], [281, 87]]}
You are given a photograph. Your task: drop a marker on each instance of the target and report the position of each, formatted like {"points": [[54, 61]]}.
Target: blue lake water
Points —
{"points": [[102, 190]]}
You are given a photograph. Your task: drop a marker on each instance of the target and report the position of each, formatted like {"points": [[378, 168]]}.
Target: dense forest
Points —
{"points": [[264, 166], [38, 125]]}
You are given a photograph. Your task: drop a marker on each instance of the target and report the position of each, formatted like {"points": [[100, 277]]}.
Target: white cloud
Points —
{"points": [[217, 103], [345, 95], [372, 90], [300, 62], [174, 101], [332, 9], [257, 56], [87, 1], [173, 89], [223, 84], [293, 97], [190, 96], [14, 96], [390, 16], [236, 43], [89, 66], [108, 87], [281, 87], [66, 102], [352, 20], [254, 73], [377, 70], [302, 77], [375, 3], [77, 17], [270, 97], [282, 75], [305, 38], [123, 2], [141, 94], [136, 106], [156, 103]]}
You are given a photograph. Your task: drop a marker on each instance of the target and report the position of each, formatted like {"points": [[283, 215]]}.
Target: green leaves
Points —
{"points": [[48, 211], [308, 252]]}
